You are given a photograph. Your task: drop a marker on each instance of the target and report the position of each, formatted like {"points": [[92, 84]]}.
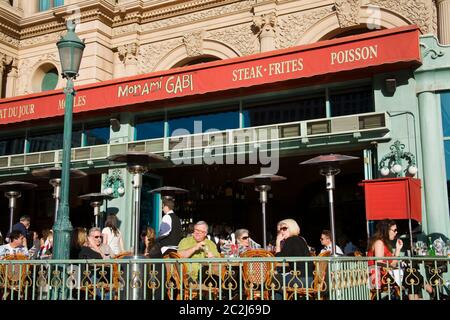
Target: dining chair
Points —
{"points": [[257, 275]]}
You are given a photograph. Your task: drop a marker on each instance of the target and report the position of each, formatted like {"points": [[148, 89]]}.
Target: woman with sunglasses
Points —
{"points": [[243, 241], [289, 243], [380, 246]]}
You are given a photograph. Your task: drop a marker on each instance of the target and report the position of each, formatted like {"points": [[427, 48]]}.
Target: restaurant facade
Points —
{"points": [[224, 90]]}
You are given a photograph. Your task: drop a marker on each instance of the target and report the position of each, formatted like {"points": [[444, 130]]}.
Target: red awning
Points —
{"points": [[375, 52]]}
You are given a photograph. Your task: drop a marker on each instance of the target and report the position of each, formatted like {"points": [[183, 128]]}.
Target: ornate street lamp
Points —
{"points": [[12, 192], [70, 49], [96, 200], [262, 183], [54, 174], [329, 167], [392, 162]]}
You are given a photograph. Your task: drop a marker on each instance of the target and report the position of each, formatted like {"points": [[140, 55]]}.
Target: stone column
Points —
{"points": [[11, 79], [2, 71], [443, 9], [434, 176], [265, 25]]}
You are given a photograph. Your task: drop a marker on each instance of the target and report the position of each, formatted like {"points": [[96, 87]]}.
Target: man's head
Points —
{"points": [[325, 238], [200, 231], [15, 239], [25, 220], [168, 204], [95, 236]]}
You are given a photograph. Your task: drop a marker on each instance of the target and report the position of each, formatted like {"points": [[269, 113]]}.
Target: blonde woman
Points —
{"points": [[289, 243]]}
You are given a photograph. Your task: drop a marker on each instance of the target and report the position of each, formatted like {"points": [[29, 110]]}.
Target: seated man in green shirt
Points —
{"points": [[197, 246]]}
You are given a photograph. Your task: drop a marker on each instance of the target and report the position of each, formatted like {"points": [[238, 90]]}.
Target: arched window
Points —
{"points": [[50, 80], [195, 60]]}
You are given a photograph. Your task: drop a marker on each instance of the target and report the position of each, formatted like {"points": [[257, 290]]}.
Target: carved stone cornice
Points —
{"points": [[193, 42], [240, 37], [291, 27], [150, 54], [348, 12], [420, 12], [8, 39], [166, 10], [159, 22]]}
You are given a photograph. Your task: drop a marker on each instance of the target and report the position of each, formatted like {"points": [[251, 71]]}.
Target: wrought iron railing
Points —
{"points": [[311, 278]]}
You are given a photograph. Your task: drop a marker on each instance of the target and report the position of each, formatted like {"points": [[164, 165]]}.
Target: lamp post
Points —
{"points": [[392, 162], [262, 183], [329, 167], [70, 49]]}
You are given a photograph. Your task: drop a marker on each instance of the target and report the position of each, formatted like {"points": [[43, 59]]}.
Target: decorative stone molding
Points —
{"points": [[27, 67], [433, 52], [240, 38], [150, 54], [46, 38], [8, 40], [291, 27], [194, 16], [128, 52], [130, 28], [420, 12], [265, 24], [348, 12], [194, 43]]}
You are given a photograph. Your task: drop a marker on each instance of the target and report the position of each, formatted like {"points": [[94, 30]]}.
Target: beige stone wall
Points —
{"points": [[135, 36]]}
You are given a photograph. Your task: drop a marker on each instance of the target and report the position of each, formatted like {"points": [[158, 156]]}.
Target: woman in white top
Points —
{"points": [[112, 236]]}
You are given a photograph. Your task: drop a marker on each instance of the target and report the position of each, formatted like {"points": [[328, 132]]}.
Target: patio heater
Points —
{"points": [[168, 192], [96, 201], [12, 192], [137, 164], [54, 174], [329, 167], [262, 183]]}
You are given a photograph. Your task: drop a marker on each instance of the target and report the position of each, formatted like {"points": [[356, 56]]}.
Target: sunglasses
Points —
{"points": [[394, 230], [245, 238], [97, 237], [283, 228]]}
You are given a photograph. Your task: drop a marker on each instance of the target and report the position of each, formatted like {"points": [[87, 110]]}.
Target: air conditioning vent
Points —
{"points": [[154, 145], [290, 131], [4, 162], [117, 148], [17, 160], [372, 121], [178, 143], [32, 159], [82, 154], [99, 152], [139, 146], [318, 127], [344, 124], [47, 157]]}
